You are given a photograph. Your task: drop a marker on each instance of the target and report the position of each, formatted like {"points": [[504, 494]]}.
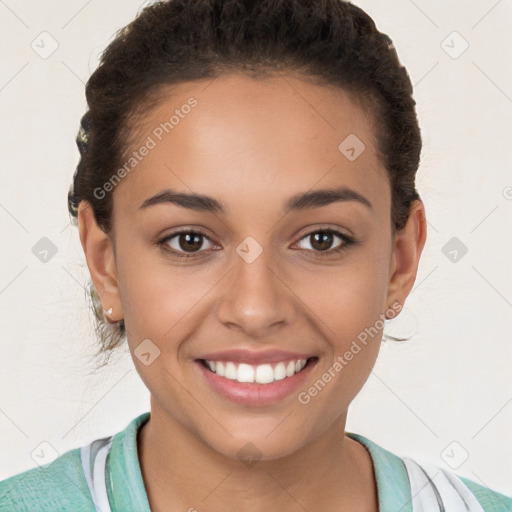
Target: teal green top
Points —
{"points": [[62, 485]]}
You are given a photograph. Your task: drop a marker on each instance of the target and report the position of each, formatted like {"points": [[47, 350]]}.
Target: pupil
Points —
{"points": [[192, 239], [322, 240]]}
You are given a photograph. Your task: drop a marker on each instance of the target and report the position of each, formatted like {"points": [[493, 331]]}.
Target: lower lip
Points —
{"points": [[249, 393]]}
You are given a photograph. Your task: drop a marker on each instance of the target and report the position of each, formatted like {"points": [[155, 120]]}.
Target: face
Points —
{"points": [[264, 273]]}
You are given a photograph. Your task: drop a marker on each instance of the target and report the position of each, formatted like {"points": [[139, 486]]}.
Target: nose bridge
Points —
{"points": [[255, 297]]}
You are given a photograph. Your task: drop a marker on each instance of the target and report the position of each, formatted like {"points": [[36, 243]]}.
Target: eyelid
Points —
{"points": [[323, 227]]}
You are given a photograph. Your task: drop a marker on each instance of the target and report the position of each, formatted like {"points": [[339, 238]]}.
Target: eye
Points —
{"points": [[322, 239], [190, 241], [187, 241]]}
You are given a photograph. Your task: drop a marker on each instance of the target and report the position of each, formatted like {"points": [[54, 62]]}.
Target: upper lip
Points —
{"points": [[255, 357]]}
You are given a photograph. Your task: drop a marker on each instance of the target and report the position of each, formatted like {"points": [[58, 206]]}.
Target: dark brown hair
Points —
{"points": [[331, 41]]}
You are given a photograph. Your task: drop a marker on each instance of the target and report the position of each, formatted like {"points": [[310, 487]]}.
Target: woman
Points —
{"points": [[246, 203]]}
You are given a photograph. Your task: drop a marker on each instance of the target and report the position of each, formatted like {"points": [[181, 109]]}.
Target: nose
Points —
{"points": [[255, 297]]}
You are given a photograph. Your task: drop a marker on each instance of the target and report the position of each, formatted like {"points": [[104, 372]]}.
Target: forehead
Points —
{"points": [[238, 138]]}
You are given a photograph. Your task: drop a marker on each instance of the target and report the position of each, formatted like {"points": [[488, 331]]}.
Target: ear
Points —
{"points": [[405, 258], [100, 257]]}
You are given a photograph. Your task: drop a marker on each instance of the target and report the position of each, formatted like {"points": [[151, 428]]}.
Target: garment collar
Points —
{"points": [[393, 487], [127, 492]]}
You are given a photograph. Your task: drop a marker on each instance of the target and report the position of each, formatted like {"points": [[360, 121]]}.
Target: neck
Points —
{"points": [[333, 472]]}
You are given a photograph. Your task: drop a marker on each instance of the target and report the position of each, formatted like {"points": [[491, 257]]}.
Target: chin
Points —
{"points": [[259, 447]]}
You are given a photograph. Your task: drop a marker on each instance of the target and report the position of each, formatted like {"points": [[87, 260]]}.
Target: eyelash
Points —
{"points": [[347, 242]]}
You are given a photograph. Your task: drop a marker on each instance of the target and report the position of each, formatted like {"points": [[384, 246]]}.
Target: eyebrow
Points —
{"points": [[302, 201]]}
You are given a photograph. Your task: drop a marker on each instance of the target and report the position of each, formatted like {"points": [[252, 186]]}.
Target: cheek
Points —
{"points": [[160, 300], [350, 297], [351, 322], [348, 303]]}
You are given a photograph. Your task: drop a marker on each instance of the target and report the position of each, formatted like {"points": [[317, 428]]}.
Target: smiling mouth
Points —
{"points": [[258, 374]]}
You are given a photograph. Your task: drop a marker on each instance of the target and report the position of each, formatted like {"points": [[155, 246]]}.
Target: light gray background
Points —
{"points": [[444, 394]]}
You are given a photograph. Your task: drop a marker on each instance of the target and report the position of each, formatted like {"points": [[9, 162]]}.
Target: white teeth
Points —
{"points": [[264, 374], [230, 371], [245, 373], [261, 374], [279, 372]]}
